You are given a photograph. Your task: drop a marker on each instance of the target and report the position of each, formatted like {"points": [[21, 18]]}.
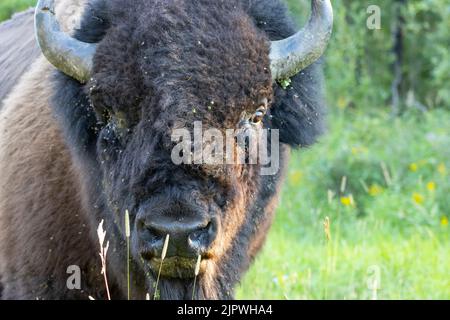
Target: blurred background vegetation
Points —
{"points": [[364, 213]]}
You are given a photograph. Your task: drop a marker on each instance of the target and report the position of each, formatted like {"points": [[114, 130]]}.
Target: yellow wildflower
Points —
{"points": [[413, 167], [296, 177], [444, 221], [359, 150], [431, 186], [442, 169], [418, 198], [342, 103], [348, 201], [375, 190]]}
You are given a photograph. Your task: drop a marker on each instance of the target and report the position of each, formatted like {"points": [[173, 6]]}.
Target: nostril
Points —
{"points": [[152, 238], [156, 232], [198, 234], [150, 243], [202, 238]]}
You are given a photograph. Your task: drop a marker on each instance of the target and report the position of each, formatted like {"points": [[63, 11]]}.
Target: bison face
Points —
{"points": [[152, 79], [162, 67]]}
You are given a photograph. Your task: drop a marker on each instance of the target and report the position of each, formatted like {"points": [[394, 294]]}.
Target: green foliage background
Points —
{"points": [[8, 7], [359, 61], [389, 225]]}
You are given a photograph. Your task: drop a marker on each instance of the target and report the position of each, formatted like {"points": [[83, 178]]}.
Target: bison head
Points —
{"points": [[134, 73]]}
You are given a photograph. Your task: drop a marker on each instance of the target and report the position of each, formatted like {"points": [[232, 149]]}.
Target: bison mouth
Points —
{"points": [[177, 267]]}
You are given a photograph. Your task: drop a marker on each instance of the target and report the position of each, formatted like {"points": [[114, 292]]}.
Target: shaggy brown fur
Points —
{"points": [[36, 232], [71, 155], [16, 40]]}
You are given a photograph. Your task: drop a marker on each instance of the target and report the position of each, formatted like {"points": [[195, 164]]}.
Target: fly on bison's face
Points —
{"points": [[163, 70]]}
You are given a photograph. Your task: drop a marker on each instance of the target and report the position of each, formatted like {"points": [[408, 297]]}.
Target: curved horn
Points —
{"points": [[67, 54], [291, 55]]}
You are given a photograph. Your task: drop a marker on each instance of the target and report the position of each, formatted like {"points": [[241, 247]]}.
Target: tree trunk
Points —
{"points": [[398, 39]]}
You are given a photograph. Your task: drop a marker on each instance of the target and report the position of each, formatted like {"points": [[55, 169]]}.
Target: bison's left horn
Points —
{"points": [[67, 54], [291, 55]]}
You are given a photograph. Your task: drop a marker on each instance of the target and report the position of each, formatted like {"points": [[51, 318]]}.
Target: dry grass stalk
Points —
{"points": [[386, 174], [163, 256], [330, 195], [196, 272], [364, 185], [343, 184], [127, 235], [327, 229], [103, 252]]}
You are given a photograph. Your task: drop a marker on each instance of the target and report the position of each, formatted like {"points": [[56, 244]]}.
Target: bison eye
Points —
{"points": [[258, 116], [260, 113]]}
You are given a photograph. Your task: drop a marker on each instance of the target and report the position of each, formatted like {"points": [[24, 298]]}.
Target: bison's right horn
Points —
{"points": [[291, 55], [67, 54]]}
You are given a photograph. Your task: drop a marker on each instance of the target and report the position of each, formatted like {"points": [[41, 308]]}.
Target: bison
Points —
{"points": [[85, 136]]}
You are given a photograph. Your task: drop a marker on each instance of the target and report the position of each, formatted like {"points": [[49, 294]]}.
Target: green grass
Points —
{"points": [[8, 7], [405, 237]]}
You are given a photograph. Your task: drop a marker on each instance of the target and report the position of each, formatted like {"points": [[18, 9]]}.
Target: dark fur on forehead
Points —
{"points": [[176, 58]]}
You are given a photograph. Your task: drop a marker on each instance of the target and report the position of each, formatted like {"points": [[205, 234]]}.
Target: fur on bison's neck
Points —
{"points": [[296, 112]]}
